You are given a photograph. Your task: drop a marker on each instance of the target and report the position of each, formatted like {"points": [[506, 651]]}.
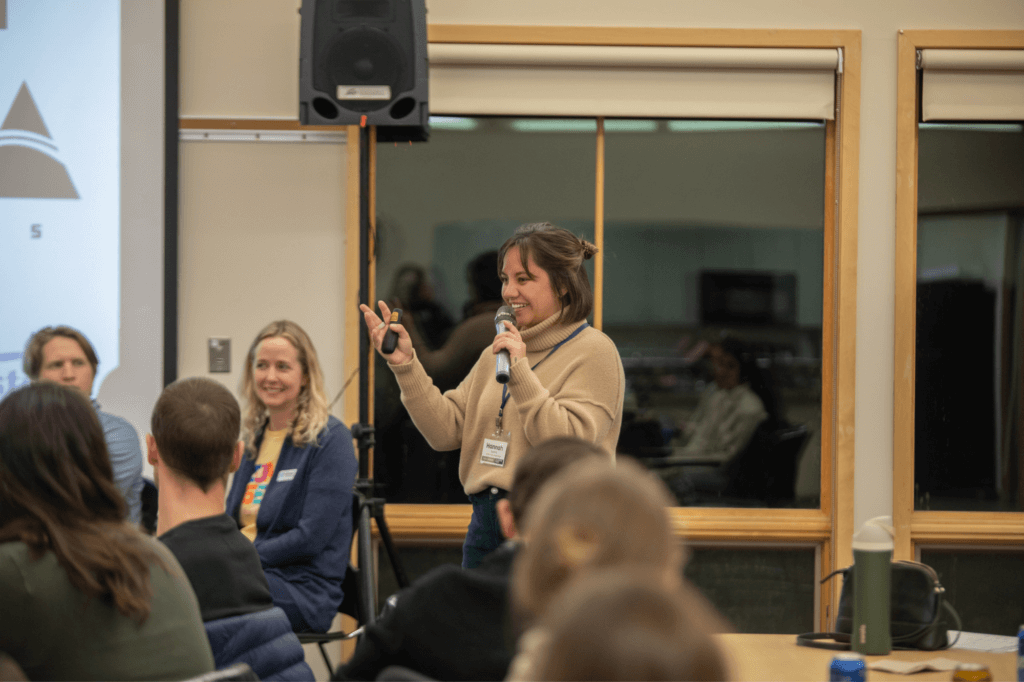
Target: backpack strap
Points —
{"points": [[817, 640]]}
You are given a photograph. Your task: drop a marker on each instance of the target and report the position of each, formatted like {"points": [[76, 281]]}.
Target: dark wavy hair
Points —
{"points": [[57, 494], [561, 254]]}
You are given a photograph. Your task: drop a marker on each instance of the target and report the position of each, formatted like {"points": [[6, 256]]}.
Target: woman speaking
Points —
{"points": [[565, 377]]}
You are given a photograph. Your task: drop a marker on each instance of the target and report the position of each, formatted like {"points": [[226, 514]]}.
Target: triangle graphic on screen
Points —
{"points": [[27, 172]]}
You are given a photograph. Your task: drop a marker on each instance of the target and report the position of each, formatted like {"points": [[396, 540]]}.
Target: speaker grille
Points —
{"points": [[363, 56]]}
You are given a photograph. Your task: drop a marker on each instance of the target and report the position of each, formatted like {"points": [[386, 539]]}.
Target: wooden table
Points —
{"points": [[777, 657]]}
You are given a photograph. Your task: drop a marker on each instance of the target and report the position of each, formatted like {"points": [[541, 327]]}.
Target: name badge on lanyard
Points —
{"points": [[495, 449]]}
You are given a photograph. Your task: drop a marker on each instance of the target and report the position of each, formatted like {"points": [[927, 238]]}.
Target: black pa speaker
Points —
{"points": [[365, 58]]}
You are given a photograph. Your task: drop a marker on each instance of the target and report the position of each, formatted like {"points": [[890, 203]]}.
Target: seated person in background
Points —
{"points": [[731, 408], [412, 288], [292, 494], [84, 595], [626, 624], [63, 355], [448, 364], [193, 448], [452, 623], [588, 517]]}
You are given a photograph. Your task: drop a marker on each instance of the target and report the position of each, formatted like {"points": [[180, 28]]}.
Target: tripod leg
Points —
{"points": [[389, 545], [367, 587]]}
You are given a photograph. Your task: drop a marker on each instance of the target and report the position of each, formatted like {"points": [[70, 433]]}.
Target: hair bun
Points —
{"points": [[588, 249]]}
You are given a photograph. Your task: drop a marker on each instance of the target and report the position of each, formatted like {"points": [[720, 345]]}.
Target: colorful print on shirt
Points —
{"points": [[258, 483]]}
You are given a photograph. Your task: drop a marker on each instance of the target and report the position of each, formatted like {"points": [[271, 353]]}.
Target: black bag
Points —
{"points": [[917, 603]]}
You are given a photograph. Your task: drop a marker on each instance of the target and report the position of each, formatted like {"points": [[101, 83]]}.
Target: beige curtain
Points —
{"points": [[667, 82], [972, 85]]}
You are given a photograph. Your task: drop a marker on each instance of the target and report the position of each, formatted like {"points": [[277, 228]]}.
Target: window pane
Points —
{"points": [[714, 230], [970, 264], [983, 586], [440, 205]]}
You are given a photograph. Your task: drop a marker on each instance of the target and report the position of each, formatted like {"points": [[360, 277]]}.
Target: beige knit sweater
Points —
{"points": [[577, 391]]}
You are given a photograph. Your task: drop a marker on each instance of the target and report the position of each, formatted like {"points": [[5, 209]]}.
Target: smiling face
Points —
{"points": [[64, 362], [278, 377], [529, 293]]}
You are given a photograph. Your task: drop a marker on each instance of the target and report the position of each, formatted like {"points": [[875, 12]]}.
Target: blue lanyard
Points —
{"points": [[504, 387]]}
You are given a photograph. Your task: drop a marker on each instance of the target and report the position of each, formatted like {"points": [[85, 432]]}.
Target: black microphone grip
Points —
{"points": [[390, 343]]}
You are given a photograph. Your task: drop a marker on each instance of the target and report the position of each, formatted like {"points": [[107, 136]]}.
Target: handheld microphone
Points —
{"points": [[503, 362], [390, 342]]}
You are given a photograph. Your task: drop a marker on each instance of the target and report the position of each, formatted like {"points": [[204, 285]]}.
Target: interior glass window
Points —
{"points": [[714, 247], [970, 316]]}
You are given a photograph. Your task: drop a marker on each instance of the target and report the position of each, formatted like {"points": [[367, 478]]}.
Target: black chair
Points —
{"points": [[149, 499], [763, 473], [351, 605], [766, 469]]}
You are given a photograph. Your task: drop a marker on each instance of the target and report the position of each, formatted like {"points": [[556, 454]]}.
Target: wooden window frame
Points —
{"points": [[831, 525], [929, 528]]}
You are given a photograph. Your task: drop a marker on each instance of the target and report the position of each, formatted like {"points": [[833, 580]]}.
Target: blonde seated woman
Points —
{"points": [[292, 495], [590, 517]]}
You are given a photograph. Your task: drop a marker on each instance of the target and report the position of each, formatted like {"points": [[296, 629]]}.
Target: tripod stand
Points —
{"points": [[370, 506]]}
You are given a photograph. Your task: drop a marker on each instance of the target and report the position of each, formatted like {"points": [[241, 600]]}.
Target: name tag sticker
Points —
{"points": [[286, 475], [493, 452]]}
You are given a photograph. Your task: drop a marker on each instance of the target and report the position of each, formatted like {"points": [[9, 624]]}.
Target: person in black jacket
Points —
{"points": [[452, 623]]}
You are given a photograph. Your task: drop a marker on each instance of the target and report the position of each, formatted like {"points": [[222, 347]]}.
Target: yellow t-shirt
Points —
{"points": [[266, 463]]}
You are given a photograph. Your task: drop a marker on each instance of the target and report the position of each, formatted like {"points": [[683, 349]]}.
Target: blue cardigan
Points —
{"points": [[304, 525]]}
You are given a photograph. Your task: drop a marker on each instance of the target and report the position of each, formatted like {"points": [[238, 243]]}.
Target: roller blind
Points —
{"points": [[972, 85], [672, 82]]}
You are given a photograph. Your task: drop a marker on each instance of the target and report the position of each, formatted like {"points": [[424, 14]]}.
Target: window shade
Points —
{"points": [[972, 85], [670, 82]]}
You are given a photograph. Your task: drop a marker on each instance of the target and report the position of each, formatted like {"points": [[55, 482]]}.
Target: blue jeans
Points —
{"points": [[484, 533]]}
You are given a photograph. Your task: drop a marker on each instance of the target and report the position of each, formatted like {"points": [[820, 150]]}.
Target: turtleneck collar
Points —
{"points": [[549, 332]]}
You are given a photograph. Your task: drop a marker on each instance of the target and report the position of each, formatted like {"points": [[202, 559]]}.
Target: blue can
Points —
{"points": [[1020, 654], [848, 668]]}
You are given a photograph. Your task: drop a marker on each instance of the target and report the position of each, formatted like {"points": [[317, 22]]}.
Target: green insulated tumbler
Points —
{"points": [[872, 580]]}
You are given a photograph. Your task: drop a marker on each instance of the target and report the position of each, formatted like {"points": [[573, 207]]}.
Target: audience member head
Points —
{"points": [[283, 377], [195, 427], [482, 277], [626, 624], [733, 363], [535, 468], [62, 355], [57, 494], [411, 286], [561, 255], [593, 516]]}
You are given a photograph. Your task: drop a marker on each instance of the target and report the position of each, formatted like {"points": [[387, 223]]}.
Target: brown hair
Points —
{"points": [[195, 425], [625, 624], [590, 516], [57, 494], [313, 408], [561, 254], [541, 463], [32, 360]]}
